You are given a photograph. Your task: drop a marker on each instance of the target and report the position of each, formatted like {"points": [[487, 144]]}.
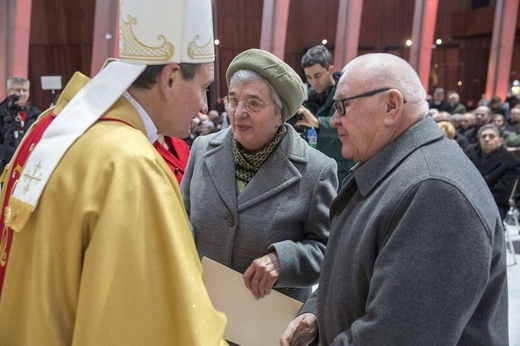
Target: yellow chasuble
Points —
{"points": [[107, 257]]}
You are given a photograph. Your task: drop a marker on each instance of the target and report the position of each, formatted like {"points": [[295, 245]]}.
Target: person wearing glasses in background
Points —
{"points": [[416, 252], [257, 194], [17, 114]]}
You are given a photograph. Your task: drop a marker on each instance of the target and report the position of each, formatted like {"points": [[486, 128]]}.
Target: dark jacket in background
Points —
{"points": [[15, 129], [500, 170], [442, 106]]}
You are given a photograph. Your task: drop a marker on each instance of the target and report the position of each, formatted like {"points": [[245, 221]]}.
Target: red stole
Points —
{"points": [[177, 158], [16, 166]]}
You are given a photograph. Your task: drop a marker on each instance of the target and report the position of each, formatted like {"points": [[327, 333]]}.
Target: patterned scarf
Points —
{"points": [[248, 164]]}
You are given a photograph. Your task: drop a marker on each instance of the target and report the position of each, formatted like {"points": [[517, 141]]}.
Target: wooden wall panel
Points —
{"points": [[515, 64], [310, 22], [61, 43], [239, 26], [61, 38], [474, 55], [386, 25]]}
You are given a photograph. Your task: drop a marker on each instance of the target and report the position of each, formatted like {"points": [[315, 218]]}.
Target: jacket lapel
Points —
{"points": [[221, 167], [277, 173]]}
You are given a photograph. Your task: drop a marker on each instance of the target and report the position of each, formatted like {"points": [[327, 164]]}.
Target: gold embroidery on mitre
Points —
{"points": [[205, 51], [133, 49]]}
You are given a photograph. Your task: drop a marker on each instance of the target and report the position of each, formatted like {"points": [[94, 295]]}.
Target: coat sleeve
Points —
{"points": [[326, 130], [142, 281], [437, 263], [300, 261]]}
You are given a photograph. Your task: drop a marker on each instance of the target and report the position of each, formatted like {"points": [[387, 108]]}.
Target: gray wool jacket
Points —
{"points": [[284, 208], [416, 254]]}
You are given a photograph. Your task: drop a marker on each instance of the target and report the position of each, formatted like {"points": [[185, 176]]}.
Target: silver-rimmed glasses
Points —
{"points": [[250, 103]]}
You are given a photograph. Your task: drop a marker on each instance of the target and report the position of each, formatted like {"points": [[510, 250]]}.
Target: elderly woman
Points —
{"points": [[257, 195]]}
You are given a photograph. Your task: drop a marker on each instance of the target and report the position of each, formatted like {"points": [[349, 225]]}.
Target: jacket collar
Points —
{"points": [[369, 174], [277, 173]]}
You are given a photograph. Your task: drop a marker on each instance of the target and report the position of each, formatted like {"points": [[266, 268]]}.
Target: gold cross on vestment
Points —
{"points": [[32, 177]]}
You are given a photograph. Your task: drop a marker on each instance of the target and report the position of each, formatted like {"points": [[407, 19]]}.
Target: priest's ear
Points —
{"points": [[167, 78]]}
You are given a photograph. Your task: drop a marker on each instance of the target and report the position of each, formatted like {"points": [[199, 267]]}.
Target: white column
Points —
{"points": [[423, 30], [502, 46], [15, 30], [274, 26], [347, 32], [105, 41]]}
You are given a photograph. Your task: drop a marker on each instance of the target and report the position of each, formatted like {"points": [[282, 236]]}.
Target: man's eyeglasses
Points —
{"points": [[339, 105], [250, 103]]}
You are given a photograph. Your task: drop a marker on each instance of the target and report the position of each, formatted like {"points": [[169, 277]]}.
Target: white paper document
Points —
{"points": [[251, 322]]}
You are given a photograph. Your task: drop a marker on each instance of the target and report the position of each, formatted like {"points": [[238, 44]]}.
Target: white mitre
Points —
{"points": [[152, 32], [164, 31]]}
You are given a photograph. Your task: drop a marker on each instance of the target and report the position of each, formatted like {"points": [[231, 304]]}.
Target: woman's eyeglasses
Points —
{"points": [[250, 103]]}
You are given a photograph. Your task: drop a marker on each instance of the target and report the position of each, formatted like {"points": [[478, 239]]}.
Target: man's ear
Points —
{"points": [[394, 104], [169, 75]]}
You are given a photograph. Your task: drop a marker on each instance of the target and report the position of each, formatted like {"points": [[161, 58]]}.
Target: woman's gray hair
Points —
{"points": [[250, 76]]}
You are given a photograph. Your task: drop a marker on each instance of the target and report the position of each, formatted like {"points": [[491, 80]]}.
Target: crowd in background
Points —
{"points": [[459, 120], [489, 135]]}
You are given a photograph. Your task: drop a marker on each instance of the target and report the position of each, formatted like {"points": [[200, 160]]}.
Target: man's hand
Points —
{"points": [[262, 274], [309, 119], [301, 331]]}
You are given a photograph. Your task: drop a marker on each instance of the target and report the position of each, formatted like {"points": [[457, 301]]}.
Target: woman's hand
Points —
{"points": [[262, 274]]}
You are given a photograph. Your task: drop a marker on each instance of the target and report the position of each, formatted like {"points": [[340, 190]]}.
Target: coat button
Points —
{"points": [[230, 220]]}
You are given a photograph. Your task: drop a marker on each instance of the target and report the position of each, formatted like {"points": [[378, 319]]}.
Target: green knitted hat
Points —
{"points": [[282, 77]]}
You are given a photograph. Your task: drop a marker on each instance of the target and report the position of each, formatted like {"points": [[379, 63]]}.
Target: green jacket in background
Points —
{"points": [[328, 139]]}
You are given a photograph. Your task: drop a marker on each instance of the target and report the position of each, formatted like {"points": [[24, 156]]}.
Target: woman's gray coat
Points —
{"points": [[284, 208]]}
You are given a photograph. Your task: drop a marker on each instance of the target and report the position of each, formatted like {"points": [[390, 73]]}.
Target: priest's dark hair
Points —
{"points": [[149, 76]]}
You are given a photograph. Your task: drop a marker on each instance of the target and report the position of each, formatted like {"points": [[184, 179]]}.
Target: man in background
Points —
{"points": [[438, 100], [499, 167], [17, 114], [318, 109], [454, 105]]}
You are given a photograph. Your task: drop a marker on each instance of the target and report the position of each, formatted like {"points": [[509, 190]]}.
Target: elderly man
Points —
{"points": [[483, 116], [499, 167], [454, 105], [438, 101], [416, 250], [96, 247]]}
